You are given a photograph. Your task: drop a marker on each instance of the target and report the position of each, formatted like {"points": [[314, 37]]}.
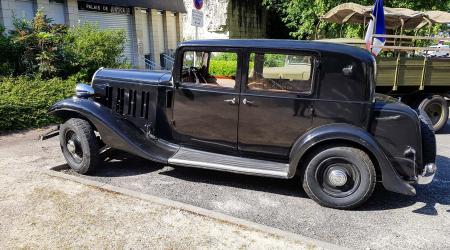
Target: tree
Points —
{"points": [[302, 16]]}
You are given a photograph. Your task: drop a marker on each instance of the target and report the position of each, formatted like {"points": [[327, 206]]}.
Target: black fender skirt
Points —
{"points": [[345, 132], [114, 130]]}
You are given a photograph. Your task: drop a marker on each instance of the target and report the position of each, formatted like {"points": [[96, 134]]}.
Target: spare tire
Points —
{"points": [[428, 138]]}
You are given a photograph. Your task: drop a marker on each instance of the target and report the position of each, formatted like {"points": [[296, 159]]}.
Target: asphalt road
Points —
{"points": [[386, 221]]}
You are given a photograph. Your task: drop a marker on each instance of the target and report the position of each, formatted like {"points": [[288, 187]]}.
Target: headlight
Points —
{"points": [[84, 90]]}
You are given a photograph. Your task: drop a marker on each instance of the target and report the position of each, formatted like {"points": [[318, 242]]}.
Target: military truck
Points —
{"points": [[418, 75]]}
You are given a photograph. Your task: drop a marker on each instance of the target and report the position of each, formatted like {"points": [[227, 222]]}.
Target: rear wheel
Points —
{"points": [[339, 177], [437, 110], [79, 145], [428, 138]]}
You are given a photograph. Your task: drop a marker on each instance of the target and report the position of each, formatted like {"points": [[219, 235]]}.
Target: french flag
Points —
{"points": [[380, 28]]}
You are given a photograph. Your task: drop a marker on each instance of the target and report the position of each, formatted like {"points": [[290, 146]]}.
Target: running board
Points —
{"points": [[200, 159]]}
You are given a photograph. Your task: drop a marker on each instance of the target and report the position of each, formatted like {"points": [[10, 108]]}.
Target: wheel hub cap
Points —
{"points": [[337, 177], [71, 146]]}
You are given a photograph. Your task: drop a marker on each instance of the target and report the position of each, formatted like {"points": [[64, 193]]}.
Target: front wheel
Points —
{"points": [[79, 145], [339, 177]]}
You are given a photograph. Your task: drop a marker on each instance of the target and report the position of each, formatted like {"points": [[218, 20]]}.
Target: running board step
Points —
{"points": [[199, 159]]}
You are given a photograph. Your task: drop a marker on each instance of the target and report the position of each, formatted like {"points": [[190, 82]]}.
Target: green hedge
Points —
{"points": [[24, 101], [222, 68]]}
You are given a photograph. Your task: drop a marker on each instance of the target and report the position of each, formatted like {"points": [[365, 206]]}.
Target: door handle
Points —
{"points": [[310, 110], [231, 101], [247, 102]]}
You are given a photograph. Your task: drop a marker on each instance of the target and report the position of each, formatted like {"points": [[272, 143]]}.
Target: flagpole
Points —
{"points": [[373, 31]]}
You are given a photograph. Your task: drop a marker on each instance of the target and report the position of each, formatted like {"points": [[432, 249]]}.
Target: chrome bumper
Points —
{"points": [[428, 174]]}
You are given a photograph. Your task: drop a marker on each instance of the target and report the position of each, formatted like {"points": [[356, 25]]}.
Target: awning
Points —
{"points": [[171, 5], [393, 17], [347, 13], [359, 14]]}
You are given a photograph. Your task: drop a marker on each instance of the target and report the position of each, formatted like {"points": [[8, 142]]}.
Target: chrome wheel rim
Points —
{"points": [[338, 177], [73, 146]]}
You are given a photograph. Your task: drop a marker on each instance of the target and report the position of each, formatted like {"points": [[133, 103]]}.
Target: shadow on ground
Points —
{"points": [[123, 164], [437, 192]]}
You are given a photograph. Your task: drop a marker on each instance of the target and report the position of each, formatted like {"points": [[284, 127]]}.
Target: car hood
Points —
{"points": [[137, 76]]}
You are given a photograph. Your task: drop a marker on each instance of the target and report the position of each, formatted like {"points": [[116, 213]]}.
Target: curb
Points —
{"points": [[196, 210]]}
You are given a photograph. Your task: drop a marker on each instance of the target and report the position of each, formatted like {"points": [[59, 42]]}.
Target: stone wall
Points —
{"points": [[246, 19], [227, 19], [215, 20]]}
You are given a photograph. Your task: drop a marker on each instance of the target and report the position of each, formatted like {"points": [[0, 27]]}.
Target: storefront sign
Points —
{"points": [[104, 8]]}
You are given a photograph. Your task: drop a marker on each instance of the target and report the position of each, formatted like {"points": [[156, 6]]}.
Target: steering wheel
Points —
{"points": [[194, 71]]}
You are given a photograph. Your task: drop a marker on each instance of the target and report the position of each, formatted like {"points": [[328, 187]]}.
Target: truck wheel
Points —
{"points": [[79, 145], [437, 110], [339, 177]]}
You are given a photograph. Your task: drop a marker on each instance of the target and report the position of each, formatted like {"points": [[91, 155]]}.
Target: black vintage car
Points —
{"points": [[274, 108]]}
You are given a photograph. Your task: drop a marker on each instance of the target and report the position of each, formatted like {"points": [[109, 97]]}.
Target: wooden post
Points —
{"points": [[397, 65]]}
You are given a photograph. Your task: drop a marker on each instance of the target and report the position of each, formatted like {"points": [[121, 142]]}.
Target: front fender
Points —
{"points": [[114, 130], [344, 132]]}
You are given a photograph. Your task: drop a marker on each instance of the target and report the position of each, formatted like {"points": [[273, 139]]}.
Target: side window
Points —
{"points": [[209, 69], [280, 72]]}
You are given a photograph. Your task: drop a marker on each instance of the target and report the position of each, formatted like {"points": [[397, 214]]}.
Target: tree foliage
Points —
{"points": [[302, 16], [87, 48], [40, 48]]}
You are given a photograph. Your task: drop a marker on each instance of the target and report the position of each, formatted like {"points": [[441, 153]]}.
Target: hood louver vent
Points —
{"points": [[128, 102]]}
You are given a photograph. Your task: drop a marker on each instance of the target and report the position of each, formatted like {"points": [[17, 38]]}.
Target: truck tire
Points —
{"points": [[437, 110], [339, 177], [428, 138], [79, 145]]}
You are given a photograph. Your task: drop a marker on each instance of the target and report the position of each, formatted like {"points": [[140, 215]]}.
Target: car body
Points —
{"points": [[327, 126]]}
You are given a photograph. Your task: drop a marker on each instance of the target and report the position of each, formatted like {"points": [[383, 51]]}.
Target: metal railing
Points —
{"points": [[150, 65], [167, 61]]}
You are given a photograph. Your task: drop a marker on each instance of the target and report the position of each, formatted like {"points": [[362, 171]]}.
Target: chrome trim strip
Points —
{"points": [[95, 75], [200, 159]]}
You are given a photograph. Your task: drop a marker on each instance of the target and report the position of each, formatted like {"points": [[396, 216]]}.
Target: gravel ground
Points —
{"points": [[386, 221], [39, 211]]}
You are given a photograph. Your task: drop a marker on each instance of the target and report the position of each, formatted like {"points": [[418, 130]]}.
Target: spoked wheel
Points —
{"points": [[79, 145], [437, 110], [339, 177], [73, 145]]}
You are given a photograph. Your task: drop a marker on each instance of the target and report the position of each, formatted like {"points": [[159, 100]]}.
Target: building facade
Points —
{"points": [[153, 28]]}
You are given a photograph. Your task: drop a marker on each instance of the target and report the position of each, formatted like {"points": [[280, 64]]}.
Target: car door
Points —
{"points": [[276, 102], [206, 99]]}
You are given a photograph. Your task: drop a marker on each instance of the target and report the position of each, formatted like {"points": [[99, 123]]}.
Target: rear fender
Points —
{"points": [[115, 131], [344, 132]]}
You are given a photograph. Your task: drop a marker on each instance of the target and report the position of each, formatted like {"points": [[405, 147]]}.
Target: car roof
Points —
{"points": [[283, 44]]}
